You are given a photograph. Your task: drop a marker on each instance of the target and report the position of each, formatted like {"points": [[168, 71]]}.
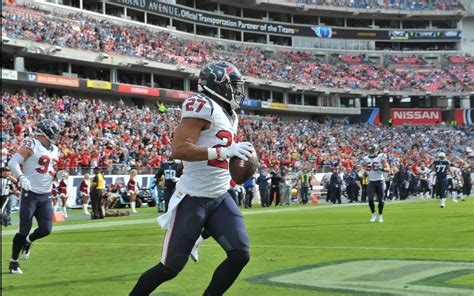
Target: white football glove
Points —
{"points": [[25, 183], [175, 179], [241, 150]]}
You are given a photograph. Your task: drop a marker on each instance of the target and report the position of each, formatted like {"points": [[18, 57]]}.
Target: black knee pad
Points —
{"points": [[44, 231], [19, 239], [238, 257], [167, 272]]}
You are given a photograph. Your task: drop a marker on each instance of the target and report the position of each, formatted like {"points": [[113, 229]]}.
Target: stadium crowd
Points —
{"points": [[388, 4], [117, 136], [83, 32]]}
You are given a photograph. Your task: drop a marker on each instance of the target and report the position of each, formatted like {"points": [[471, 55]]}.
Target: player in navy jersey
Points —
{"points": [[38, 157], [171, 170], [441, 167], [205, 141]]}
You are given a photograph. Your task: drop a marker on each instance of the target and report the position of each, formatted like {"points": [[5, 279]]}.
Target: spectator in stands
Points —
{"points": [[354, 72]]}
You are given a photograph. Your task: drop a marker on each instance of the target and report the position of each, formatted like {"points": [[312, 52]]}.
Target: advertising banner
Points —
{"points": [[277, 106], [367, 115], [138, 90], [98, 84], [251, 103], [176, 94], [416, 35], [57, 80], [199, 17], [464, 116], [266, 27], [9, 74], [416, 116]]}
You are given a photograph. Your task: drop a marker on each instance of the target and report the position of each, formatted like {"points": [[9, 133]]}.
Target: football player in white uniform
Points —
{"points": [[454, 182], [375, 164], [39, 157], [205, 141]]}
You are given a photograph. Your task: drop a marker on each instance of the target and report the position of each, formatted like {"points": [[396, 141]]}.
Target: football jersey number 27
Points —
{"points": [[44, 161], [191, 102]]}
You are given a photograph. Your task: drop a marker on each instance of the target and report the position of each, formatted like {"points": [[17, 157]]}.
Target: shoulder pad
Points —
{"points": [[28, 143], [198, 106]]}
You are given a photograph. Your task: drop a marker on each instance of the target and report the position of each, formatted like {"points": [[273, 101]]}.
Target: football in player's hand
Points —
{"points": [[241, 170]]}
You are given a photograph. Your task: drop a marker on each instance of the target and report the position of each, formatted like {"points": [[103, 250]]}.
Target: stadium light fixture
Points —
{"points": [[103, 56]]}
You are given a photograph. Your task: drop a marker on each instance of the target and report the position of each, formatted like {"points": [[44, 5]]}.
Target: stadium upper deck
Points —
{"points": [[326, 25]]}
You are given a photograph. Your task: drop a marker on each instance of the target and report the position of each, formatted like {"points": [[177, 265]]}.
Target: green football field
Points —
{"points": [[420, 249]]}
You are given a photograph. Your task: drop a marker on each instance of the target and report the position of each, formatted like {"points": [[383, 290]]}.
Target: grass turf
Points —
{"points": [[108, 260]]}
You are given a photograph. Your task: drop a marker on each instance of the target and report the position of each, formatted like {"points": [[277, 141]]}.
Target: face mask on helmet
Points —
{"points": [[48, 129], [238, 95], [372, 150]]}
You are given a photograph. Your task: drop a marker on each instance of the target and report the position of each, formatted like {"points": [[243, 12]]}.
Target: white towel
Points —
{"points": [[165, 219]]}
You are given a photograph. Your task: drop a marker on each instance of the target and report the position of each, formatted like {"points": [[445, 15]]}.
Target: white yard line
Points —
{"points": [[57, 228], [363, 248]]}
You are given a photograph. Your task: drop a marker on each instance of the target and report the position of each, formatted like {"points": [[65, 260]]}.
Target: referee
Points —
{"points": [[7, 188]]}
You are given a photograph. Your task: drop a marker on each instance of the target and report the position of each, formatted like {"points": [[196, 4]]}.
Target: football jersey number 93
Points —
{"points": [[40, 167]]}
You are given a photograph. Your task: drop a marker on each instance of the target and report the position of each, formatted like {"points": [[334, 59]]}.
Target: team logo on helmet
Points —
{"points": [[220, 74]]}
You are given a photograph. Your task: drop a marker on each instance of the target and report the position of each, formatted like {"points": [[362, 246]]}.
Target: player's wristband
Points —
{"points": [[212, 153]]}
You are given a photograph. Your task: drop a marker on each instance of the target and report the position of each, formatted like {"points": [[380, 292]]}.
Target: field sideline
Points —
{"points": [[420, 249]]}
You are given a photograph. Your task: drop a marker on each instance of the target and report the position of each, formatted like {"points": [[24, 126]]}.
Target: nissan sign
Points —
{"points": [[416, 116]]}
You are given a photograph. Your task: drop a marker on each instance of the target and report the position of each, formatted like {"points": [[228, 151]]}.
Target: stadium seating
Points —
{"points": [[387, 4], [118, 136], [83, 32]]}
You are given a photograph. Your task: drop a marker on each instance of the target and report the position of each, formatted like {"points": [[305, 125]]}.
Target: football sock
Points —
{"points": [[227, 272], [151, 279], [372, 206], [18, 243], [380, 205]]}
